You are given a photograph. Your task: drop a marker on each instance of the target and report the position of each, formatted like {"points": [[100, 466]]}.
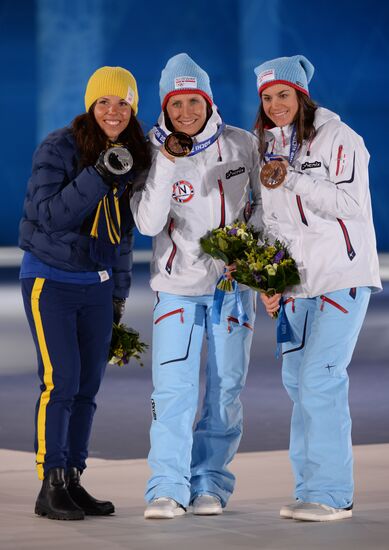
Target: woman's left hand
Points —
{"points": [[271, 303], [119, 305], [167, 155]]}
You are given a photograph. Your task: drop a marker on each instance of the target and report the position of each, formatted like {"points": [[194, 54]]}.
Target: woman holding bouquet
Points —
{"points": [[184, 197], [316, 199], [76, 234]]}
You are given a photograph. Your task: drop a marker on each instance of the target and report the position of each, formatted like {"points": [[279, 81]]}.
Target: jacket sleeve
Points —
{"points": [[256, 218], [151, 206], [62, 204], [122, 270], [343, 194]]}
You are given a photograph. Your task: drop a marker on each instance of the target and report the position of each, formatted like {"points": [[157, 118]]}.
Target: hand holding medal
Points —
{"points": [[118, 160], [178, 144], [114, 161]]}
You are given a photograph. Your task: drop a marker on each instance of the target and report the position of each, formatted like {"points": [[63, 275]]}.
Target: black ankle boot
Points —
{"points": [[90, 505], [54, 500]]}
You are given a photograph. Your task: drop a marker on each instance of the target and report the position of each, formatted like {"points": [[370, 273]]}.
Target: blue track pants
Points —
{"points": [[71, 325], [185, 464], [315, 376]]}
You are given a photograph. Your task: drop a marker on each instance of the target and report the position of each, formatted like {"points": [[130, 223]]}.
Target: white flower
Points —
{"points": [[242, 233]]}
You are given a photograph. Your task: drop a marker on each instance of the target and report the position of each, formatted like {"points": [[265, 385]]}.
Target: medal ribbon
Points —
{"points": [[105, 236], [292, 150], [160, 136], [284, 330], [218, 299]]}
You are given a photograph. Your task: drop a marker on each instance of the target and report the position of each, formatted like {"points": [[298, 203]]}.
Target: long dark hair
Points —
{"points": [[305, 116], [91, 140]]}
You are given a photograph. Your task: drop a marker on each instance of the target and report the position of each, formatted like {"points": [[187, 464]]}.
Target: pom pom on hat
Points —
{"points": [[183, 75], [295, 71], [112, 81]]}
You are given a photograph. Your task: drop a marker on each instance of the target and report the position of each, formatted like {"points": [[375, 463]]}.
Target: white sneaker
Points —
{"points": [[163, 508], [313, 511], [286, 511], [207, 505]]}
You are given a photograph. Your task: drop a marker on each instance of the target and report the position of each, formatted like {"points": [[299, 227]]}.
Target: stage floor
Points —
{"points": [[251, 520]]}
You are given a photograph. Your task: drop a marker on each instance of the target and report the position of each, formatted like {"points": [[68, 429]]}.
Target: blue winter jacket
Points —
{"points": [[59, 209]]}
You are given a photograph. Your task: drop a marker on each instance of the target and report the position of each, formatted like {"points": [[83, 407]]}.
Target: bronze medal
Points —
{"points": [[273, 174], [178, 144]]}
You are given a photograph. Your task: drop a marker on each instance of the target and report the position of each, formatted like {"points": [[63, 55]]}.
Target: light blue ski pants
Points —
{"points": [[315, 376], [186, 463]]}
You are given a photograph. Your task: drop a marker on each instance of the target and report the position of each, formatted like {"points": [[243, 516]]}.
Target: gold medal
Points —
{"points": [[178, 144], [273, 174]]}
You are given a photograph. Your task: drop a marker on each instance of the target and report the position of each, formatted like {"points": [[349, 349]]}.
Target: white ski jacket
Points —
{"points": [[323, 209], [182, 200]]}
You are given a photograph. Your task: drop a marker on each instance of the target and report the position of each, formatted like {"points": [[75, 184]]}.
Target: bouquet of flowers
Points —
{"points": [[125, 343], [267, 268], [229, 243]]}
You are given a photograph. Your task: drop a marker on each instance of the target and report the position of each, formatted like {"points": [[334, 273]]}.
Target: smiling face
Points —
{"points": [[280, 104], [187, 112], [112, 114]]}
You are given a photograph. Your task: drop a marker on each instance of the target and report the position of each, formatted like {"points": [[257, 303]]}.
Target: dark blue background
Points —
{"points": [[49, 48]]}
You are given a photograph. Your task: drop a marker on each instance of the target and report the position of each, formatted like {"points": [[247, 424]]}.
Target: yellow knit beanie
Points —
{"points": [[112, 81]]}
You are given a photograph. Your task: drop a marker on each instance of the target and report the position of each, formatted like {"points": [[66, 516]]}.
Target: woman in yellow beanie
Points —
{"points": [[76, 232]]}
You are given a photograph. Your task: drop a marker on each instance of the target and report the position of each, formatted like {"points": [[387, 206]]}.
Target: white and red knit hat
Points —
{"points": [[295, 71]]}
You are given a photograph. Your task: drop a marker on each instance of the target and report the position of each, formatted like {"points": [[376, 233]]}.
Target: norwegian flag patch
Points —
{"points": [[182, 191]]}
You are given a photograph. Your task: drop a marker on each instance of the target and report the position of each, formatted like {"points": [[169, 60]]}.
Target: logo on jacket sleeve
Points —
{"points": [[231, 173], [182, 191]]}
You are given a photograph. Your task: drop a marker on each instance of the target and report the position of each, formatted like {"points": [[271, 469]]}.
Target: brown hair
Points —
{"points": [[91, 140], [305, 116]]}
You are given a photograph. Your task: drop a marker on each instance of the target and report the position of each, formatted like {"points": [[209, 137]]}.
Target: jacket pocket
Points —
{"points": [[349, 247], [222, 204], [301, 210], [169, 263]]}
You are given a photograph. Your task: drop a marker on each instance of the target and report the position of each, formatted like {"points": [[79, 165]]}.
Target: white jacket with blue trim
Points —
{"points": [[182, 200], [323, 209]]}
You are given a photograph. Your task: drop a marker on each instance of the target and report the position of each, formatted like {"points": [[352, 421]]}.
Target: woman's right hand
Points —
{"points": [[229, 269], [114, 165], [271, 303], [167, 155]]}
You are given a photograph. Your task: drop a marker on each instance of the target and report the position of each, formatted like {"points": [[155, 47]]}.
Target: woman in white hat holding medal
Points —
{"points": [[314, 171], [76, 232], [204, 175]]}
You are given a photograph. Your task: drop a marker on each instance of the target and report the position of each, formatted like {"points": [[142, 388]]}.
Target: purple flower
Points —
{"points": [[257, 277], [233, 231], [278, 257]]}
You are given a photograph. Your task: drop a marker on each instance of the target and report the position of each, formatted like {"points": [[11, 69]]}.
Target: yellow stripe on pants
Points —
{"points": [[47, 376]]}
